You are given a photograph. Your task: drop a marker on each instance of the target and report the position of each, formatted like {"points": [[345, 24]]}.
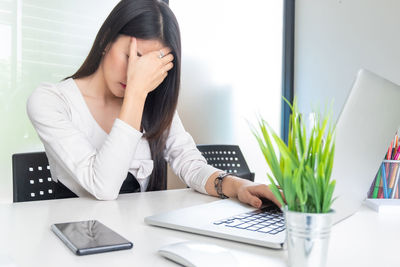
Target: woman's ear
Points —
{"points": [[105, 51]]}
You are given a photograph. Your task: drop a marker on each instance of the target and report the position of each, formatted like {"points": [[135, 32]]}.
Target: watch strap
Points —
{"points": [[218, 184]]}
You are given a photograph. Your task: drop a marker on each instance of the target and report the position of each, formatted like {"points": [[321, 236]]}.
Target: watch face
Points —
{"points": [[222, 175]]}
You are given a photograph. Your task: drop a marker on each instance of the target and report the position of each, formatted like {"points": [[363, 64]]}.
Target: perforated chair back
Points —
{"points": [[228, 158], [32, 179]]}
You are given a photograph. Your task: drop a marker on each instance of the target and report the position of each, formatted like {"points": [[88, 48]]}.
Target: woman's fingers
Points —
{"points": [[164, 52], [164, 69], [253, 200], [133, 49], [167, 58], [260, 191], [269, 195], [265, 192], [167, 67]]}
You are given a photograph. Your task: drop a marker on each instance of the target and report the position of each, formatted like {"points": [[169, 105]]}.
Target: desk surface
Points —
{"points": [[365, 239]]}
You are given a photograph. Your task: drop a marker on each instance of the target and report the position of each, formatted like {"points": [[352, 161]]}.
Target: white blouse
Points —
{"points": [[91, 162]]}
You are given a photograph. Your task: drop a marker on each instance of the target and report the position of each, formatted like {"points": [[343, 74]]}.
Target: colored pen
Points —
{"points": [[384, 182], [396, 144], [389, 154], [377, 182], [388, 157], [380, 192], [396, 157], [395, 184], [394, 168]]}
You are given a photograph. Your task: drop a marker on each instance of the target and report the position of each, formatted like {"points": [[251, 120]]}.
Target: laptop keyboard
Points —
{"points": [[265, 220]]}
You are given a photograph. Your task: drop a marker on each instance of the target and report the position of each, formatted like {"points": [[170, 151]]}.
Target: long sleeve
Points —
{"points": [[102, 171], [185, 159]]}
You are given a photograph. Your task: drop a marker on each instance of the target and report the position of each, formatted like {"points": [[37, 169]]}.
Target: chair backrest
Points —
{"points": [[228, 158], [32, 179]]}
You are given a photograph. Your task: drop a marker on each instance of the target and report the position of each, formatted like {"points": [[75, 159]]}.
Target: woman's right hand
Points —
{"points": [[147, 72]]}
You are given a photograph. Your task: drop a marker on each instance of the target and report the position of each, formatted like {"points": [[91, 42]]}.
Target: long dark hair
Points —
{"points": [[148, 20]]}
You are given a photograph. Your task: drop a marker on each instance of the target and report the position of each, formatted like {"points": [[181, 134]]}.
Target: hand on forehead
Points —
{"points": [[148, 46]]}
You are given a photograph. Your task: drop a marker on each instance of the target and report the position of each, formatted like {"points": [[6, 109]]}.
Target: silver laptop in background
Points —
{"points": [[366, 125]]}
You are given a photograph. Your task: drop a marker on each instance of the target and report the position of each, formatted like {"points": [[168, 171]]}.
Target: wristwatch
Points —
{"points": [[218, 184]]}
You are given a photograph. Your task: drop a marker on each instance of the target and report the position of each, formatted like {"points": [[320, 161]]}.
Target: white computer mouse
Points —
{"points": [[191, 253]]}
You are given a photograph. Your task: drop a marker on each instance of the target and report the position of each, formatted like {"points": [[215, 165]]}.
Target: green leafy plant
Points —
{"points": [[302, 168]]}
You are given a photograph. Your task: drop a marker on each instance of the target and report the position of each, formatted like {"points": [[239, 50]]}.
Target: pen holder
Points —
{"points": [[386, 182]]}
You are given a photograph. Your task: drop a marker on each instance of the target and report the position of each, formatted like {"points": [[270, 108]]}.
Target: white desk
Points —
{"points": [[365, 239]]}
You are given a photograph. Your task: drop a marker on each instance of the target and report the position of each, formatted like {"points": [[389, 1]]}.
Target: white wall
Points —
{"points": [[231, 71], [334, 38]]}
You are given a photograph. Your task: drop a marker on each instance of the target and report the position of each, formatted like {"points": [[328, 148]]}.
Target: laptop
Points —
{"points": [[366, 125]]}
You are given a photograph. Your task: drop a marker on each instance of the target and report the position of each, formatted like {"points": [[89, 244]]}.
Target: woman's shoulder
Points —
{"points": [[47, 89], [48, 97]]}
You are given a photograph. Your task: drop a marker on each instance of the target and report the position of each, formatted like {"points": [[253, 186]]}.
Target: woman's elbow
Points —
{"points": [[105, 195], [103, 190]]}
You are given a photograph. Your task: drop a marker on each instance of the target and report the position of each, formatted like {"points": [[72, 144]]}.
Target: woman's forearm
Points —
{"points": [[230, 185], [132, 108]]}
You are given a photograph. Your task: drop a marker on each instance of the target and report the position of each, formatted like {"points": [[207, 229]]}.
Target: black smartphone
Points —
{"points": [[89, 237]]}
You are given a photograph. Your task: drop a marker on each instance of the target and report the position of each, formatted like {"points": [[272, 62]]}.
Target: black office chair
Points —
{"points": [[228, 158], [32, 179]]}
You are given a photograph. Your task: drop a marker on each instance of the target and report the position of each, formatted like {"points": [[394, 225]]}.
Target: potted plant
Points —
{"points": [[301, 181]]}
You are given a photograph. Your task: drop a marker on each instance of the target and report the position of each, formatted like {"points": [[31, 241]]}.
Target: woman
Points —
{"points": [[117, 114]]}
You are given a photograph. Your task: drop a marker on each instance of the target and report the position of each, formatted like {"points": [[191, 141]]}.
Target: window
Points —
{"points": [[231, 71]]}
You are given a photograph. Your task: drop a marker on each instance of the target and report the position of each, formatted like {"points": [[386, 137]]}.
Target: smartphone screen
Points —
{"points": [[89, 237]]}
